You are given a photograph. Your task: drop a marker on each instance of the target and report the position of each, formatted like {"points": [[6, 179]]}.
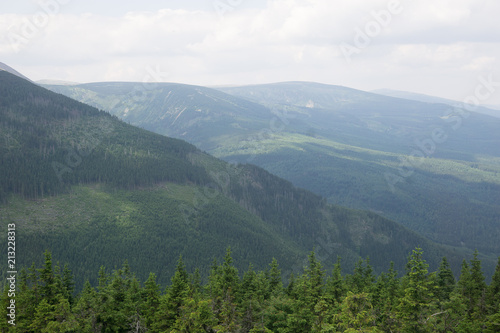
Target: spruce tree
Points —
{"points": [[151, 299], [85, 309], [445, 281], [493, 292], [472, 288], [418, 294], [170, 304], [335, 288], [47, 280], [275, 283]]}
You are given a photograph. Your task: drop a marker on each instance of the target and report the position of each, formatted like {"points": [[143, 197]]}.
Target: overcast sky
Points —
{"points": [[446, 48]]}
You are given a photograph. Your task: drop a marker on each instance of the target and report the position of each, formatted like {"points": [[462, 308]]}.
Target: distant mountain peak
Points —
{"points": [[11, 70]]}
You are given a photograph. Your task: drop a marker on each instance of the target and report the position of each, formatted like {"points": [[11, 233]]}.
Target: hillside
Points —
{"points": [[429, 166], [194, 113], [96, 191]]}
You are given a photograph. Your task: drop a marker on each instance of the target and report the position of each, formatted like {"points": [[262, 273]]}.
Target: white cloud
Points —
{"points": [[281, 40]]}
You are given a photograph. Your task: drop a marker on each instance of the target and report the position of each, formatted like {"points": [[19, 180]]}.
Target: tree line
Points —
{"points": [[260, 301]]}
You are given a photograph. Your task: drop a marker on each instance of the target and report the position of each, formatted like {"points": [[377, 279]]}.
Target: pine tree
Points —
{"points": [[472, 288], [229, 275], [445, 281], [463, 301], [113, 311], [415, 304], [478, 287], [302, 317], [27, 299], [315, 275], [170, 304], [47, 280], [151, 299], [493, 292], [309, 290], [68, 283], [228, 288], [385, 298], [85, 309], [133, 307], [248, 299], [335, 289], [275, 283]]}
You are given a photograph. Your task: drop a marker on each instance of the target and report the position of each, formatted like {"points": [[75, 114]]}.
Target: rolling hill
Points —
{"points": [[432, 167], [97, 191]]}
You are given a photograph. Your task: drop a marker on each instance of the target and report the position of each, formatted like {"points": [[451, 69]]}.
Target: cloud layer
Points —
{"points": [[438, 47]]}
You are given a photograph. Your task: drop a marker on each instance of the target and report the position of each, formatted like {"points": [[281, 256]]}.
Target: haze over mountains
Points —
{"points": [[432, 167], [95, 190], [492, 110]]}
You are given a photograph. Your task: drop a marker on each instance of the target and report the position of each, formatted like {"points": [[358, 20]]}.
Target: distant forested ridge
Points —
{"points": [[317, 299]]}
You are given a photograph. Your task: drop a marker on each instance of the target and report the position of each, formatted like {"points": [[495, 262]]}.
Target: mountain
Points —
{"points": [[194, 113], [97, 191], [488, 110], [4, 67], [429, 166]]}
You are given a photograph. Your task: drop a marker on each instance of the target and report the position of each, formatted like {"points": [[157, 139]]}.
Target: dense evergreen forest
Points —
{"points": [[317, 300], [51, 142]]}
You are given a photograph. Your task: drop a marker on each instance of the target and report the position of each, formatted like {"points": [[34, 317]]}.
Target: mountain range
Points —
{"points": [[432, 167], [96, 191]]}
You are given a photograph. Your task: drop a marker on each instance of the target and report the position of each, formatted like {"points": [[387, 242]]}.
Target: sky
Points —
{"points": [[445, 48]]}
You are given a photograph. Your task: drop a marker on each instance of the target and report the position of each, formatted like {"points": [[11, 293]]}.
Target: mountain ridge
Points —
{"points": [[129, 193], [484, 109], [352, 147]]}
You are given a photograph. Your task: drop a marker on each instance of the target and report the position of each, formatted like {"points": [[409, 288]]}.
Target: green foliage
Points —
{"points": [[445, 280], [416, 303], [493, 292], [356, 314], [120, 303]]}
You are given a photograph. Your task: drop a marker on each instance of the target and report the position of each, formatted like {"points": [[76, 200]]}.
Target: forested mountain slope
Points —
{"points": [[431, 167], [95, 191]]}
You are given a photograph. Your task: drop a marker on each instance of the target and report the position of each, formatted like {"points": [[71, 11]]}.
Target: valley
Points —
{"points": [[432, 167]]}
